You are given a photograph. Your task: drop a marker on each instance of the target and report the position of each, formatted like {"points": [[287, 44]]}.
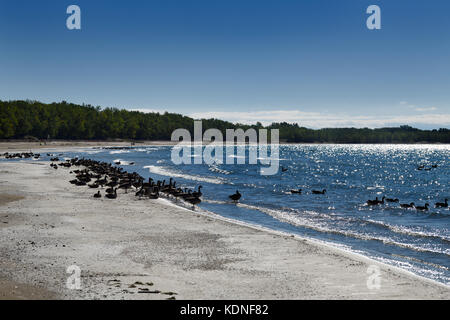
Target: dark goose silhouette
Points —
{"points": [[423, 208], [297, 191], [112, 195], [198, 193], [375, 202], [392, 200], [442, 204], [319, 192], [407, 206], [235, 197], [193, 200], [97, 195]]}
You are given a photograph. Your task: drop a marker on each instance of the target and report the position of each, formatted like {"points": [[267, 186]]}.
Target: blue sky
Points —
{"points": [[311, 62]]}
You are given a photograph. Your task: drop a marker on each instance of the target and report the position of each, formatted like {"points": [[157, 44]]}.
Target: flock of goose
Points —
{"points": [[106, 175], [411, 205], [96, 174], [21, 155]]}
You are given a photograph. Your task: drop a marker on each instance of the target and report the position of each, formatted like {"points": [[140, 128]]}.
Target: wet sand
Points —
{"points": [[151, 249], [24, 146]]}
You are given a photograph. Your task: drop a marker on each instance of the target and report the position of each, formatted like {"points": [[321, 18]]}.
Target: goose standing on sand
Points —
{"points": [[235, 197], [112, 195], [407, 206], [319, 192], [442, 204], [423, 208], [97, 195], [194, 201]]}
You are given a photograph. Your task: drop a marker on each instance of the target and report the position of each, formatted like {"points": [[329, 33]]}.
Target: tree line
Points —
{"points": [[63, 120]]}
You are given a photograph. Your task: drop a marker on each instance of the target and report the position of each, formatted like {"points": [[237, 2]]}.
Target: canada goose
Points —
{"points": [[423, 208], [406, 206], [392, 200], [112, 195], [194, 201], [198, 193], [235, 197], [93, 185], [97, 195], [297, 191], [442, 204], [154, 195], [319, 192], [109, 190], [376, 201], [125, 186], [283, 169]]}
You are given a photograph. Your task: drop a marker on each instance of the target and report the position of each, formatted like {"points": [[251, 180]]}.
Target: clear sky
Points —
{"points": [[313, 61]]}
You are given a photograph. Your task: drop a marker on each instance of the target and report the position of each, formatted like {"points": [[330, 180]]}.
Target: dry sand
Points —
{"points": [[127, 248]]}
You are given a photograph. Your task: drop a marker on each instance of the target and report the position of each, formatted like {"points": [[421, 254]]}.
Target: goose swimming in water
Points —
{"points": [[407, 206], [296, 191], [392, 200], [423, 208], [375, 202], [235, 197], [319, 192], [442, 204], [198, 193]]}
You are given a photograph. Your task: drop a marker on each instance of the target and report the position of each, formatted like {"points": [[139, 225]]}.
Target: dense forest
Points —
{"points": [[24, 119]]}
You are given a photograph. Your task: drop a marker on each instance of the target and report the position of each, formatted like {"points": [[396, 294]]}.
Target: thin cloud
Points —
{"points": [[322, 120], [416, 108]]}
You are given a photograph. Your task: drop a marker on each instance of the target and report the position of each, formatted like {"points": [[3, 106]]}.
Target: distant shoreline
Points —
{"points": [[24, 145]]}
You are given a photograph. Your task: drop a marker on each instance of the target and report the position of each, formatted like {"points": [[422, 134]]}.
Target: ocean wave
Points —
{"points": [[215, 168], [119, 151], [408, 231], [170, 173], [305, 222]]}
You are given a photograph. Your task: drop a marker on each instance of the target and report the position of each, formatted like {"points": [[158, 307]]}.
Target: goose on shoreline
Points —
{"points": [[112, 195]]}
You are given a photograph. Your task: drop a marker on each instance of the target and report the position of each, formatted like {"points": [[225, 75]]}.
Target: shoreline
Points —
{"points": [[24, 146], [241, 252]]}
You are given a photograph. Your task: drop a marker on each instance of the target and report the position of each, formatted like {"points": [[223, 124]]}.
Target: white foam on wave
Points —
{"points": [[119, 151], [317, 225], [123, 162], [166, 172]]}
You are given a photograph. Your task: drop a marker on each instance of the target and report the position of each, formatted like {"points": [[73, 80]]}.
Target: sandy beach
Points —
{"points": [[151, 249]]}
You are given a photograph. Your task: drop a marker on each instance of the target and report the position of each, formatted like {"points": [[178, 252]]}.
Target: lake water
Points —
{"points": [[351, 174]]}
